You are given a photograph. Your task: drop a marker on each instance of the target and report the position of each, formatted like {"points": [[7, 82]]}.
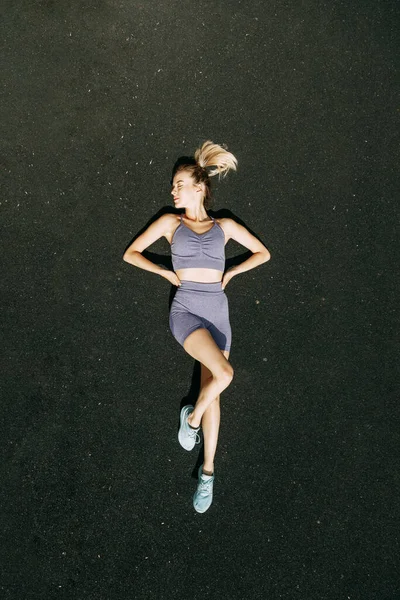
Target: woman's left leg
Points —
{"points": [[210, 423]]}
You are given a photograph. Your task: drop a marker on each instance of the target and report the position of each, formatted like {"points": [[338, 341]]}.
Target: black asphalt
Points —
{"points": [[100, 99]]}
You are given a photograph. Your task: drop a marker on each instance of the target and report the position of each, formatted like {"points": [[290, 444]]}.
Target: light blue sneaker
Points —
{"points": [[187, 436], [203, 496]]}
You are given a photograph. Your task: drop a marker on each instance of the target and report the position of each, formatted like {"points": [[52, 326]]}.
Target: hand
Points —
{"points": [[227, 277], [172, 277]]}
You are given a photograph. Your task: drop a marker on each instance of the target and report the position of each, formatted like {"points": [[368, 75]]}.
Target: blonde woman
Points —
{"points": [[199, 314]]}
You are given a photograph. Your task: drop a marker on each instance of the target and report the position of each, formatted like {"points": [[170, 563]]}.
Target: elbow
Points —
{"points": [[267, 256], [127, 257]]}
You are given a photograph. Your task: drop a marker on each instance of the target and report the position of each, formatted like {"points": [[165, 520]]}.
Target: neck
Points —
{"points": [[196, 215]]}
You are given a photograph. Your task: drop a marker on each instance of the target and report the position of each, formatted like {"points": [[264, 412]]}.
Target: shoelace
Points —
{"points": [[204, 486], [193, 434]]}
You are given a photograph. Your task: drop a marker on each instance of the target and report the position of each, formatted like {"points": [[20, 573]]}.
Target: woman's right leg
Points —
{"points": [[201, 346], [210, 423]]}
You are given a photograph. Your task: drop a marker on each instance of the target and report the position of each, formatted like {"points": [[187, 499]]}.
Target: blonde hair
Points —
{"points": [[213, 155], [208, 155]]}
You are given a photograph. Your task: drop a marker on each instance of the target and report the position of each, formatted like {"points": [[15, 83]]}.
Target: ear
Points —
{"points": [[200, 187]]}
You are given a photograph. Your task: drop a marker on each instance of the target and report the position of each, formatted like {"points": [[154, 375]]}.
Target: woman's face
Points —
{"points": [[185, 191]]}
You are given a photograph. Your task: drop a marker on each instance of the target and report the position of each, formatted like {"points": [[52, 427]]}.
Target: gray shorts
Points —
{"points": [[197, 305]]}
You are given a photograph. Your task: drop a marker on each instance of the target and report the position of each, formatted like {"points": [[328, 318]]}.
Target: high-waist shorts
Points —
{"points": [[198, 305]]}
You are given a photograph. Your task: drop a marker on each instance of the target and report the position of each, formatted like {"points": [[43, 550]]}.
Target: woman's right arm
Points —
{"points": [[133, 254]]}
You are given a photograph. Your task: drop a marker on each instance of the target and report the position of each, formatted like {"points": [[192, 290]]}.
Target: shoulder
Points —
{"points": [[157, 229], [168, 222], [169, 218], [228, 226], [223, 222], [235, 231], [171, 223]]}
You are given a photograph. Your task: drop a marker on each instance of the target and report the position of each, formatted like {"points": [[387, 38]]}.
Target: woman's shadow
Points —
{"points": [[166, 262]]}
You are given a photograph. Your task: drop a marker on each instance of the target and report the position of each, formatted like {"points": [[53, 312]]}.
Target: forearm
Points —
{"points": [[138, 260], [254, 261]]}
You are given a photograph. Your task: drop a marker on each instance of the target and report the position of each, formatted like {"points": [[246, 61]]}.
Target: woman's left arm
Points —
{"points": [[241, 235]]}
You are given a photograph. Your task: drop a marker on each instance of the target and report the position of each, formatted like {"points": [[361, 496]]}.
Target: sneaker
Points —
{"points": [[187, 436], [203, 496]]}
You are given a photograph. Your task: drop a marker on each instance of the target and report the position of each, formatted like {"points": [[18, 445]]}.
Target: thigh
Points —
{"points": [[217, 321], [182, 324], [201, 346]]}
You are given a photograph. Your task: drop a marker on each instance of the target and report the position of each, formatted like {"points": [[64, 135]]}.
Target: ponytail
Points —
{"points": [[213, 155]]}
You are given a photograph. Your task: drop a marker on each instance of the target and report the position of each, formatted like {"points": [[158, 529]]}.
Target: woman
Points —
{"points": [[199, 316]]}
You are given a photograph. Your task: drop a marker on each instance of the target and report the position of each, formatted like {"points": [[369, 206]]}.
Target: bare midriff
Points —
{"points": [[199, 275]]}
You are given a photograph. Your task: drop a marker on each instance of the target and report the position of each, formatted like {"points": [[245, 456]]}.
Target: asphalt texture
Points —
{"points": [[99, 100]]}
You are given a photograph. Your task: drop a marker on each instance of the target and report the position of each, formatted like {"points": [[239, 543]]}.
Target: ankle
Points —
{"points": [[208, 471], [191, 424]]}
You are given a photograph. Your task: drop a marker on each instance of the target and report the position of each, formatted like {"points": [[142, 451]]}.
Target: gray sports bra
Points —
{"points": [[198, 250]]}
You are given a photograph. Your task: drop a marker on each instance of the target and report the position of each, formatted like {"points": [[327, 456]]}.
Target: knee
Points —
{"points": [[226, 374]]}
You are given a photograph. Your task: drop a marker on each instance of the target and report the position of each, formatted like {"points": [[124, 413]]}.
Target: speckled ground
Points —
{"points": [[100, 98]]}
